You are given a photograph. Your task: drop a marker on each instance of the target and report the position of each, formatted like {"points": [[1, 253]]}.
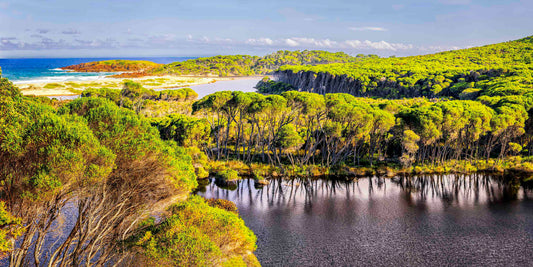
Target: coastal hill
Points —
{"points": [[220, 66], [492, 70], [113, 66], [244, 65]]}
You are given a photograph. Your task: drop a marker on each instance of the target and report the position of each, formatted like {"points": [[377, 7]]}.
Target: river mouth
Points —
{"points": [[425, 220]]}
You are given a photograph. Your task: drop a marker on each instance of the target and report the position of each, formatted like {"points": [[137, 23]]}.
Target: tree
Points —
{"points": [[410, 147]]}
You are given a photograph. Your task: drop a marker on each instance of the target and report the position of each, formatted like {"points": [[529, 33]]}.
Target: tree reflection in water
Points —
{"points": [[449, 189]]}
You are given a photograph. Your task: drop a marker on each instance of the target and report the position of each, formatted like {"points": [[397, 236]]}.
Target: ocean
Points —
{"points": [[36, 70]]}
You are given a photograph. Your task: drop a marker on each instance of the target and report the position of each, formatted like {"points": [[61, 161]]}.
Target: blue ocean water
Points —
{"points": [[23, 70]]}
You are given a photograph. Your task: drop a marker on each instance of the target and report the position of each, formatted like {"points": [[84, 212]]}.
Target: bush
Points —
{"points": [[223, 204], [228, 175], [196, 234]]}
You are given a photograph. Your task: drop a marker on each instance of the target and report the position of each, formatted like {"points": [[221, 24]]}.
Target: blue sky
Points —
{"points": [[97, 28]]}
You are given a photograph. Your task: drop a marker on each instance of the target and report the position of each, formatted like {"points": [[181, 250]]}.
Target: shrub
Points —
{"points": [[223, 204], [196, 234]]}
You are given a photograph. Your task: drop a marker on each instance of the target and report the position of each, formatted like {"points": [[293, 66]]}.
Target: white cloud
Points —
{"points": [[260, 41], [375, 29], [313, 42], [353, 43], [440, 48], [291, 42], [381, 45], [208, 40]]}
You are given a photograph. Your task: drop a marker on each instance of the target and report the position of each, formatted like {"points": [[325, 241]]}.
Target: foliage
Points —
{"points": [[10, 229], [267, 86], [223, 204], [300, 128], [196, 234], [228, 175], [146, 101], [186, 131]]}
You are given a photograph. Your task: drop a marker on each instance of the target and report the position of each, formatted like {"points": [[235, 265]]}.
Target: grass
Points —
{"points": [[53, 86]]}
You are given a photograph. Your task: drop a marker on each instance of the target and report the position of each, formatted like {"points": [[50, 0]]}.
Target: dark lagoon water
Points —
{"points": [[452, 220]]}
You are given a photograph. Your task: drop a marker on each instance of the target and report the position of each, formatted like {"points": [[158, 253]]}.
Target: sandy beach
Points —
{"points": [[66, 88]]}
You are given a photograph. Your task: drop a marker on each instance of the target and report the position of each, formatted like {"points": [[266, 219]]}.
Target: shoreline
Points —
{"points": [[73, 88], [262, 173]]}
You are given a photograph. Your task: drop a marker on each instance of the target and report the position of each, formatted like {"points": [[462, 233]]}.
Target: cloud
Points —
{"points": [[4, 5], [70, 32], [439, 48], [314, 42], [291, 42], [381, 45], [51, 44], [376, 29], [172, 41], [207, 40], [346, 45], [42, 31], [260, 41]]}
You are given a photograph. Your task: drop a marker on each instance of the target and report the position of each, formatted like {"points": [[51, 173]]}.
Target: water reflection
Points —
{"points": [[449, 189], [402, 221]]}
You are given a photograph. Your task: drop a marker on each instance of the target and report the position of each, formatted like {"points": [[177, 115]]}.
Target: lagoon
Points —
{"points": [[425, 220]]}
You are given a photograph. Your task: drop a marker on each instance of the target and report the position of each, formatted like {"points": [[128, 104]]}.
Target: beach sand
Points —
{"points": [[67, 88]]}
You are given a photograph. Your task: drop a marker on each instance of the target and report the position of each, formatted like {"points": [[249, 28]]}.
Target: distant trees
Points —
{"points": [[243, 65], [147, 101]]}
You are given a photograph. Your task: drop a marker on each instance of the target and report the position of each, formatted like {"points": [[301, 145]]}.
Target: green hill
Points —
{"points": [[492, 70], [113, 66], [244, 65]]}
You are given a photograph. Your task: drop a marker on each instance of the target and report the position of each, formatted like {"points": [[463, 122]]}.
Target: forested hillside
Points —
{"points": [[489, 71], [243, 65]]}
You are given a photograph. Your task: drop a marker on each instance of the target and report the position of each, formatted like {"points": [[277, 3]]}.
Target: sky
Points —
{"points": [[135, 28]]}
